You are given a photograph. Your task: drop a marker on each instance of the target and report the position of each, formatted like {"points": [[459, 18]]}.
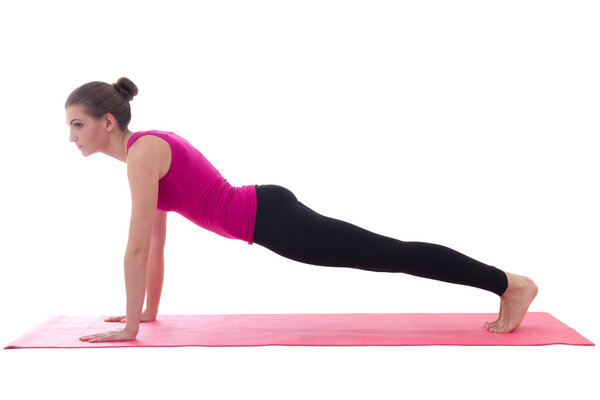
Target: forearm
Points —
{"points": [[135, 285], [154, 282]]}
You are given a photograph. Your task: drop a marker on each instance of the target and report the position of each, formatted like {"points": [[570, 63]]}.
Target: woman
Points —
{"points": [[166, 173]]}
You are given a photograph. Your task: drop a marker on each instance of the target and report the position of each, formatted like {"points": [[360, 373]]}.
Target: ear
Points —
{"points": [[110, 122]]}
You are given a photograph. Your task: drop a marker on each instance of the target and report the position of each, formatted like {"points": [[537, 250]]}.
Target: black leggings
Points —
{"points": [[289, 228]]}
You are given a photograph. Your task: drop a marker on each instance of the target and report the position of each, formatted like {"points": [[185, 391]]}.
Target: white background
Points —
{"points": [[470, 124]]}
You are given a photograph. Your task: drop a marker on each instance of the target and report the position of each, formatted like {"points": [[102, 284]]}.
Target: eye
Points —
{"points": [[77, 123]]}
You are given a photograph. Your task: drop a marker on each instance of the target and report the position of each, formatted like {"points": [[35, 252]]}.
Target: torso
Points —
{"points": [[162, 147]]}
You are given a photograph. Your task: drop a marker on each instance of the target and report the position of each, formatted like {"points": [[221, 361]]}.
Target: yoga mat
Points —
{"points": [[399, 329]]}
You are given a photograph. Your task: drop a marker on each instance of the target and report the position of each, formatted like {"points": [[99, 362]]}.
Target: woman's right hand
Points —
{"points": [[145, 317]]}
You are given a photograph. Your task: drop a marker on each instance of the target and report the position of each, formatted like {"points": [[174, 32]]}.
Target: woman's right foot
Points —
{"points": [[513, 304]]}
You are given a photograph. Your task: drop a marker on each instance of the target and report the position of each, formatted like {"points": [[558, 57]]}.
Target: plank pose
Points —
{"points": [[166, 173]]}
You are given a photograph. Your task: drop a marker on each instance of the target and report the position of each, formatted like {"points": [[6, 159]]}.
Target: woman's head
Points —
{"points": [[96, 109]]}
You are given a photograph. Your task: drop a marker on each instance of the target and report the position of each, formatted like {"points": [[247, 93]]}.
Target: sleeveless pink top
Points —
{"points": [[194, 188]]}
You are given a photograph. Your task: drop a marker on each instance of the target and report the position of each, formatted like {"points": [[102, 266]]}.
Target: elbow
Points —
{"points": [[137, 256]]}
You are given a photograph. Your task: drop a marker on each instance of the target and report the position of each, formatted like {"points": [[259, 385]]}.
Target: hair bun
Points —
{"points": [[126, 87]]}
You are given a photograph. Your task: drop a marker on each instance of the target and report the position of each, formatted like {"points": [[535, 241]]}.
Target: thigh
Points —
{"points": [[289, 228]]}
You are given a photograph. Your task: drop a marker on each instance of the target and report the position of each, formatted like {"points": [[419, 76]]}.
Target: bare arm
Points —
{"points": [[156, 263], [143, 172]]}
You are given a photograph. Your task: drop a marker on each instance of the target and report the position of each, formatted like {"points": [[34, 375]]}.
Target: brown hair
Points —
{"points": [[98, 98]]}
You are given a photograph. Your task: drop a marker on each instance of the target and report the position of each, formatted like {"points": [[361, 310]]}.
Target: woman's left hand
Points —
{"points": [[117, 335]]}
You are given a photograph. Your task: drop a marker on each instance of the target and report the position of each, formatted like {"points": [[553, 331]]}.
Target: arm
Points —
{"points": [[143, 174], [135, 279], [156, 264]]}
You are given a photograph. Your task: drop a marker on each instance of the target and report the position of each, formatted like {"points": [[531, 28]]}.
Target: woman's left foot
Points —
{"points": [[513, 304]]}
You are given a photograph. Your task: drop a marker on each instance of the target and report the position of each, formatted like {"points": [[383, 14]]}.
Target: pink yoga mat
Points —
{"points": [[537, 328]]}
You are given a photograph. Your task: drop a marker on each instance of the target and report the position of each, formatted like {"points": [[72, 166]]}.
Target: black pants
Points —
{"points": [[289, 228]]}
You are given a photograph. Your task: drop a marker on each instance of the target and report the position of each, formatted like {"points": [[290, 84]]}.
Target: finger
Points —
{"points": [[93, 335], [96, 335], [109, 337], [114, 319], [100, 338], [89, 337]]}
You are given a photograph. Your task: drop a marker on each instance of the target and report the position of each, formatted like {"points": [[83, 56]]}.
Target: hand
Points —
{"points": [[118, 335], [145, 317]]}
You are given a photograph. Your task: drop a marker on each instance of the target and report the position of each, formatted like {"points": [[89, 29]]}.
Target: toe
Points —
{"points": [[495, 324]]}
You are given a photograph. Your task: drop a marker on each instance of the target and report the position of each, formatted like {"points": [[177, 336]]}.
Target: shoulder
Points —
{"points": [[145, 154], [145, 143], [148, 147]]}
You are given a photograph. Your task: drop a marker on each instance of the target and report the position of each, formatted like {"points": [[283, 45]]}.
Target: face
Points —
{"points": [[87, 133]]}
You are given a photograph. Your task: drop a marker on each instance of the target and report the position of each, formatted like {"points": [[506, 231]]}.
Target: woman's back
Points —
{"points": [[194, 188]]}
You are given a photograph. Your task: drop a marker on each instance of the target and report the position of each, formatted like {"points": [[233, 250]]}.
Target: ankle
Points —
{"points": [[515, 283], [518, 283]]}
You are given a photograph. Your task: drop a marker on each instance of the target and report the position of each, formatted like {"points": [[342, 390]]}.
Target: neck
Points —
{"points": [[116, 146]]}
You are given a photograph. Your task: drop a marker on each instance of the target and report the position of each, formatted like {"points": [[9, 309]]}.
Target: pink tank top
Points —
{"points": [[194, 188]]}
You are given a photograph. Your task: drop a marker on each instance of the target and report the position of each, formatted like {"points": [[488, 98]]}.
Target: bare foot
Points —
{"points": [[513, 304]]}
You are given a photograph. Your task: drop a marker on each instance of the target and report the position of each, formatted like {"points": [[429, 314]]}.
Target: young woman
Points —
{"points": [[166, 173]]}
